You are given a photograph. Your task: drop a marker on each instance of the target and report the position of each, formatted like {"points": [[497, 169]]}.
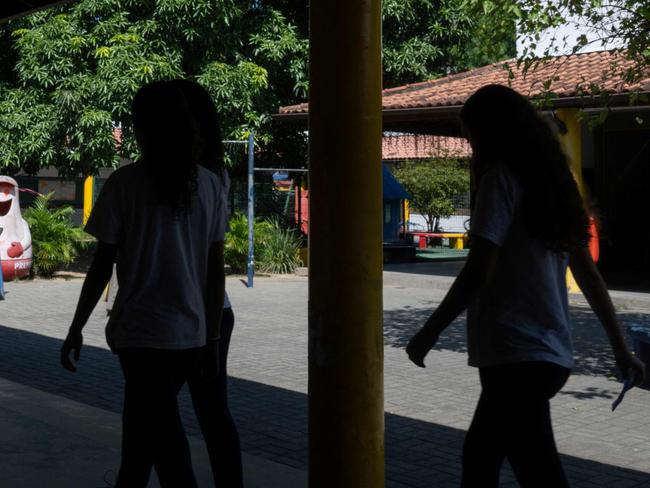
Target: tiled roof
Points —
{"points": [[421, 146], [571, 76]]}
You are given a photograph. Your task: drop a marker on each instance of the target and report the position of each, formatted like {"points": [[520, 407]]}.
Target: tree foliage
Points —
{"points": [[70, 72], [425, 39], [603, 25], [433, 184], [74, 69]]}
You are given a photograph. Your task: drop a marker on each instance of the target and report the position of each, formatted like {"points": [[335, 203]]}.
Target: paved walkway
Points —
{"points": [[427, 411]]}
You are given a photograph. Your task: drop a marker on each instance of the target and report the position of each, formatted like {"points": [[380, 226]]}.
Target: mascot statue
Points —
{"points": [[15, 238]]}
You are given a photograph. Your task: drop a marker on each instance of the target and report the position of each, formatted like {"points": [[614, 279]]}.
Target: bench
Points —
{"points": [[456, 240]]}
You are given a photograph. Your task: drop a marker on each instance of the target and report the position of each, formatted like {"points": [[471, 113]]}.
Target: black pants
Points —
{"points": [[152, 431], [513, 421], [210, 401]]}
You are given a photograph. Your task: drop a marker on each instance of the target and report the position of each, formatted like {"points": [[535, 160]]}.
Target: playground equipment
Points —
{"points": [[15, 237], [456, 240]]}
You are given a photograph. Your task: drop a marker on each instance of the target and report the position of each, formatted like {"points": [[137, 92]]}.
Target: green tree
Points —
{"points": [[70, 72], [603, 25], [433, 184], [426, 39], [73, 70]]}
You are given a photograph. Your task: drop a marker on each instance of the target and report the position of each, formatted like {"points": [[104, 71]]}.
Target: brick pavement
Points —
{"points": [[427, 411]]}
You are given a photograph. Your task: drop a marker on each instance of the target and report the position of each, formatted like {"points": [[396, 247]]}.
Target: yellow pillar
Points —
{"points": [[346, 414], [571, 142], [89, 184]]}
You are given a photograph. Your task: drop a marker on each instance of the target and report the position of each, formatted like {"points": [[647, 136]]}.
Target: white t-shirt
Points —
{"points": [[162, 260], [523, 313]]}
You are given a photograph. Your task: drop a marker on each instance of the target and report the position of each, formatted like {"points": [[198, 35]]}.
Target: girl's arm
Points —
{"points": [[477, 271], [215, 289], [595, 291], [94, 285]]}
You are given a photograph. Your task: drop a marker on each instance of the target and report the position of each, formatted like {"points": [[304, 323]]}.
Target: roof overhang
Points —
{"points": [[441, 121], [445, 120]]}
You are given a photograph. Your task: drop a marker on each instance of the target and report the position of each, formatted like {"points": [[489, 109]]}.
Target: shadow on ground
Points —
{"points": [[272, 421], [593, 355]]}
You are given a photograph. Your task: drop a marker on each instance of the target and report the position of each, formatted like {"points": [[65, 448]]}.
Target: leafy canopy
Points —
{"points": [[70, 72], [603, 25]]}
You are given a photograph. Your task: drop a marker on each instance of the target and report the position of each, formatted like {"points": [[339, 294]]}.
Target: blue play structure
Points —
{"points": [[394, 196], [397, 249]]}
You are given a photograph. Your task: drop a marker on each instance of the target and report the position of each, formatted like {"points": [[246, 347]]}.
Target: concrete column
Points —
{"points": [[346, 414], [89, 186], [571, 142]]}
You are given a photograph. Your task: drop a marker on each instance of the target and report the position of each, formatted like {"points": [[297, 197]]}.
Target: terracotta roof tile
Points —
{"points": [[571, 74], [420, 146]]}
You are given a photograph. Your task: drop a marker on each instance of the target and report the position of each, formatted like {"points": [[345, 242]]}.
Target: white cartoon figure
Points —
{"points": [[15, 238]]}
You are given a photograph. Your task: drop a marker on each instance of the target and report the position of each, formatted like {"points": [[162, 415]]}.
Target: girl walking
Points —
{"points": [[162, 220], [528, 224]]}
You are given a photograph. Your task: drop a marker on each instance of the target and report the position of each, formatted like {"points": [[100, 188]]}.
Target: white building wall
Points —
{"points": [[454, 224]]}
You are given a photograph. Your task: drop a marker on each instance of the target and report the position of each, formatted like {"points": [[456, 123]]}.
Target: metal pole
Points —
{"points": [[346, 413], [251, 208], [299, 203]]}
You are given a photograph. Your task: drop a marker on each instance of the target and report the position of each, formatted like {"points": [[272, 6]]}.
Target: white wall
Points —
{"points": [[455, 223]]}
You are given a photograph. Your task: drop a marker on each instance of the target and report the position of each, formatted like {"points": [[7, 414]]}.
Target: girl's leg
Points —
{"points": [[137, 456], [531, 445], [153, 432], [210, 401], [483, 452]]}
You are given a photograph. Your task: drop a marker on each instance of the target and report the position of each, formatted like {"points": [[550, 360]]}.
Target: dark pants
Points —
{"points": [[513, 421], [152, 431], [210, 401]]}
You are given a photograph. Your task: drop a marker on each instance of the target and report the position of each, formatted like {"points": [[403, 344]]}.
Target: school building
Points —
{"points": [[606, 135]]}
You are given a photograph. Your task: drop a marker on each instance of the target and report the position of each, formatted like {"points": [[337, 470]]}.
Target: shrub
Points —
{"points": [[56, 241], [276, 248], [235, 250], [280, 253]]}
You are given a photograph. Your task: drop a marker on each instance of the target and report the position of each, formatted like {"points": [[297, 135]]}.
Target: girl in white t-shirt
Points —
{"points": [[210, 398], [528, 223], [162, 220]]}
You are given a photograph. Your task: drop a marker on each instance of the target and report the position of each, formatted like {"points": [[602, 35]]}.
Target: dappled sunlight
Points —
{"points": [[592, 352]]}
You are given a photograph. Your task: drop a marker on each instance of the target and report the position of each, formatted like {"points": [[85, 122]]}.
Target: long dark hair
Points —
{"points": [[167, 133], [505, 128], [211, 154]]}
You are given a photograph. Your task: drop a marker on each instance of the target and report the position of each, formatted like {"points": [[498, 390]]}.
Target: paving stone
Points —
{"points": [[427, 410]]}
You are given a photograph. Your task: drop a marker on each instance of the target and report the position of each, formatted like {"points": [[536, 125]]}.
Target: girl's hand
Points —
{"points": [[630, 365], [420, 345], [73, 342]]}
